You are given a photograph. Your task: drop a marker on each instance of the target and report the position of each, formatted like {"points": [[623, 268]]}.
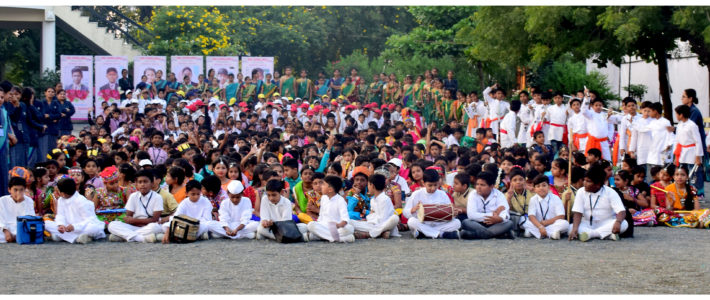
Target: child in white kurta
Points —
{"points": [[545, 212], [598, 211], [333, 222], [75, 217], [235, 215], [557, 116], [381, 217], [576, 123], [430, 194], [508, 137], [143, 206], [276, 208], [194, 206], [688, 145], [12, 206], [598, 128]]}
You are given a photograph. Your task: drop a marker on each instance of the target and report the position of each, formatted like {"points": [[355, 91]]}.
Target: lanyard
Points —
{"points": [[591, 211], [145, 206], [544, 215], [485, 203]]}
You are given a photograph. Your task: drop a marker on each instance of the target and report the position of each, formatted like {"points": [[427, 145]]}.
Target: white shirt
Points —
{"points": [[231, 215], [640, 141], [596, 122], [402, 184], [333, 209], [201, 210], [507, 130], [546, 208], [602, 205], [478, 209], [143, 207], [450, 141], [577, 124], [625, 124], [10, 210], [526, 117], [557, 115], [280, 211], [687, 134], [661, 140], [381, 208], [76, 211], [421, 196]]}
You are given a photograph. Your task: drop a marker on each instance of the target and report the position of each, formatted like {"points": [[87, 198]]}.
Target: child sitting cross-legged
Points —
{"points": [[546, 213]]}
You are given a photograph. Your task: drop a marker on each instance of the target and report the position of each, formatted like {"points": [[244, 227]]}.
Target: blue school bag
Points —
{"points": [[30, 230]]}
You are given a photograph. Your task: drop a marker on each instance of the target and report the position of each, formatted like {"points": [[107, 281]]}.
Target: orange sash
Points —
{"points": [[677, 151], [578, 137], [594, 142]]}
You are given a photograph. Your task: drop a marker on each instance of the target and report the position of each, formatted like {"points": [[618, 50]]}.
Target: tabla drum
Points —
{"points": [[435, 212]]}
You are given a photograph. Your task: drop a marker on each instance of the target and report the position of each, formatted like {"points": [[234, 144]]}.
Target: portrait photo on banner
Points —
{"points": [[108, 71], [78, 81], [223, 66], [190, 66], [145, 69], [257, 67]]}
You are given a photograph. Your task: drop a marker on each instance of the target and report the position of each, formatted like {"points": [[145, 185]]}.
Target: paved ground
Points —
{"points": [[657, 260]]}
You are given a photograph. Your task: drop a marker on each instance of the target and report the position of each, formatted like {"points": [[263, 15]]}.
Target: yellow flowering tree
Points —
{"points": [[191, 30]]}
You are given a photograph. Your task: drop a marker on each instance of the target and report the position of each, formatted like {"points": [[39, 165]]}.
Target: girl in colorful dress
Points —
{"points": [[110, 199]]}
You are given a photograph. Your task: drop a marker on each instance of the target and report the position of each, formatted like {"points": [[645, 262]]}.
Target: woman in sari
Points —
{"points": [[248, 90], [396, 94], [186, 85], [347, 89], [432, 106], [374, 90], [322, 87], [230, 91], [304, 86], [408, 95], [335, 84], [269, 87]]}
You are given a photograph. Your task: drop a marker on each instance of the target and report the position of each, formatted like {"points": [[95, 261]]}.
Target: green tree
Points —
{"points": [[695, 21]]}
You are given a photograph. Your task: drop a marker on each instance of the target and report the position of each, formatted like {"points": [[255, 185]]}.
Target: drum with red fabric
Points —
{"points": [[436, 212]]}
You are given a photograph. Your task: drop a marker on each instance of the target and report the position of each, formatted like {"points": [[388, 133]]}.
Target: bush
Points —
{"points": [[570, 76]]}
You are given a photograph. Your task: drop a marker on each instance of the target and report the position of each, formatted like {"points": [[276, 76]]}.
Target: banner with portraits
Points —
{"points": [[77, 80], [147, 66], [108, 72], [223, 66], [257, 67], [190, 66]]}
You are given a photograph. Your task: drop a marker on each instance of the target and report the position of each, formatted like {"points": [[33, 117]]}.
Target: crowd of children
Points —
{"points": [[344, 169]]}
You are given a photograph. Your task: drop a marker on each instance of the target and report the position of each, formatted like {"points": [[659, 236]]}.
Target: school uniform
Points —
{"points": [[200, 210], [143, 207], [625, 131], [65, 124], [280, 211], [332, 210], [430, 229], [526, 117], [598, 130], [544, 209], [478, 208], [598, 212], [640, 142], [577, 124], [508, 136], [10, 210], [538, 124], [688, 144], [78, 212], [231, 216], [557, 117], [381, 218], [661, 140]]}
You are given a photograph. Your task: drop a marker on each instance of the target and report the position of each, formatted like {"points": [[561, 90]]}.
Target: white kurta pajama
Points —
{"points": [[688, 139], [380, 219], [78, 212], [200, 210], [544, 209], [598, 128], [640, 142], [280, 211], [598, 212], [576, 123], [508, 138], [332, 210], [428, 228], [661, 138], [231, 216], [557, 116], [526, 117], [143, 207], [10, 210]]}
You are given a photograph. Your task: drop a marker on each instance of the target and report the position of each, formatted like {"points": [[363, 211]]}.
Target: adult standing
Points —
{"points": [[450, 83], [690, 98], [66, 110], [49, 119], [125, 83], [6, 136], [35, 125], [17, 112]]}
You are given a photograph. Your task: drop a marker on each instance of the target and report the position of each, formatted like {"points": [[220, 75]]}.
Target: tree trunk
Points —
{"points": [[479, 65], [664, 88]]}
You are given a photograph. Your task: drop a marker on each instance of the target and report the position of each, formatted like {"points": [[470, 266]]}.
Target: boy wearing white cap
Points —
{"points": [[197, 207], [235, 215]]}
